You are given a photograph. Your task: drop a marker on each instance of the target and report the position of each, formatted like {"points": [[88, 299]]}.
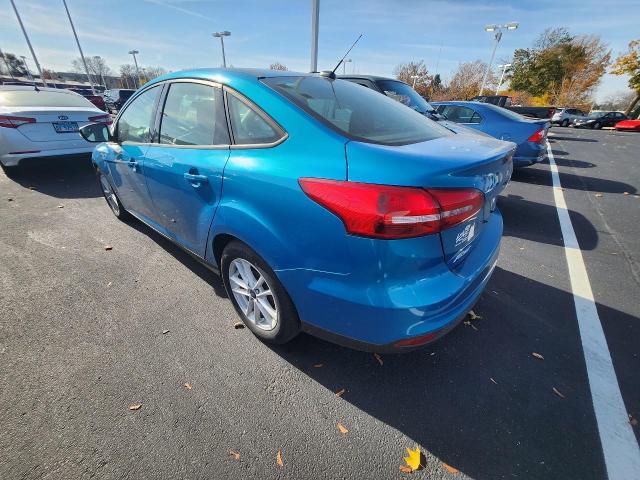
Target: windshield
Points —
{"points": [[359, 113], [596, 114], [406, 95], [42, 98]]}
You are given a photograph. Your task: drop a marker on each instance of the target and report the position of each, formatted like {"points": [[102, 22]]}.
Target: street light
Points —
{"points": [[498, 36], [135, 61], [24, 62], [504, 69], [221, 36], [344, 65], [415, 77]]}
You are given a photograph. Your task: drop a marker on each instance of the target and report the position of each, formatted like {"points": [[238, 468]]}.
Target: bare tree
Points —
{"points": [[415, 73], [128, 76], [466, 81], [96, 65], [278, 66], [153, 72]]}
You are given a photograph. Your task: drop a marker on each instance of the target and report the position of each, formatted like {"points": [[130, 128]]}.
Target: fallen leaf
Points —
{"points": [[537, 355], [342, 428], [164, 332], [378, 358], [234, 454], [468, 323], [31, 188], [108, 247], [60, 206], [279, 459], [414, 459], [626, 193], [238, 325], [450, 469], [109, 284], [555, 390], [491, 378], [318, 365], [598, 194], [339, 393], [188, 386], [474, 316], [405, 469], [135, 406], [10, 199], [633, 421]]}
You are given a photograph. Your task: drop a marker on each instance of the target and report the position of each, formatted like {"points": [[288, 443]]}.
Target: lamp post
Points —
{"points": [[315, 15], [84, 62], [24, 62], [415, 77], [26, 37], [135, 61], [498, 36], [504, 69], [221, 36], [344, 65]]}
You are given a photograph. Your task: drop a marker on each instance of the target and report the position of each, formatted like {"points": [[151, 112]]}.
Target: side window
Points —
{"points": [[450, 112], [475, 118], [134, 124], [193, 114], [249, 128], [467, 115]]}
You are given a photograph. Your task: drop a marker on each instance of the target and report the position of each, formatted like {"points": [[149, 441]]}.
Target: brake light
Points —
{"points": [[8, 121], [537, 137], [101, 119], [389, 212]]}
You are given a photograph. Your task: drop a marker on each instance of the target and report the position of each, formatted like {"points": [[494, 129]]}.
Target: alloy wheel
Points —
{"points": [[253, 294], [110, 195]]}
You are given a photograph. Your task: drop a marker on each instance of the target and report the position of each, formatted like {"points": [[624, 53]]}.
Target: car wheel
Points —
{"points": [[564, 123], [597, 125], [111, 197], [257, 295]]}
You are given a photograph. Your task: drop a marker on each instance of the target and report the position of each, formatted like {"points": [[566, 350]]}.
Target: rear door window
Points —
{"points": [[193, 114], [248, 126]]}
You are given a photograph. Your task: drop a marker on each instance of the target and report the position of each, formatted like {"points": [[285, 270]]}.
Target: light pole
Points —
{"points": [[84, 62], [498, 36], [344, 65], [26, 37], [135, 61], [221, 36], [504, 69], [315, 15], [24, 62], [415, 77]]}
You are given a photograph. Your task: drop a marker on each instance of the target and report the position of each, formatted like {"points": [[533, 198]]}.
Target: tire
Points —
{"points": [[276, 328], [111, 197], [597, 125], [564, 123]]}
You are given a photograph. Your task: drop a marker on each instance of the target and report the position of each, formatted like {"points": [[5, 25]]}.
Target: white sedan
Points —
{"points": [[43, 122]]}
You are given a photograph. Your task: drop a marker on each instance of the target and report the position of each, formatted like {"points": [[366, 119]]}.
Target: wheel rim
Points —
{"points": [[109, 195], [253, 294]]}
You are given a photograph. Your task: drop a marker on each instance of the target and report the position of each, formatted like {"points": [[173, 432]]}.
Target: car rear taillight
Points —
{"points": [[101, 119], [537, 137], [389, 212], [8, 121]]}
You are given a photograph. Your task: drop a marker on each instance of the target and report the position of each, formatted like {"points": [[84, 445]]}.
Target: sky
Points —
{"points": [[176, 34]]}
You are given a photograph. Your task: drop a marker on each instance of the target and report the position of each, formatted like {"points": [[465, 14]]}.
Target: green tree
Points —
{"points": [[629, 64]]}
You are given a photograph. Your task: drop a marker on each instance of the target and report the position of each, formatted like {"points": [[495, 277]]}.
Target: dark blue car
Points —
{"points": [[325, 206], [529, 134]]}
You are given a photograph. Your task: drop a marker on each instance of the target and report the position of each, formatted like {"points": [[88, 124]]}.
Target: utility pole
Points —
{"points": [[26, 37], [315, 15], [84, 62], [344, 65]]}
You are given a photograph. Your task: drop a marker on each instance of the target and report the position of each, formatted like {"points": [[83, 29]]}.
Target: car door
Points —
{"points": [[184, 167], [126, 155]]}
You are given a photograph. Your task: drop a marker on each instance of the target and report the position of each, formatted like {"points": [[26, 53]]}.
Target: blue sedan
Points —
{"points": [[530, 135], [326, 207]]}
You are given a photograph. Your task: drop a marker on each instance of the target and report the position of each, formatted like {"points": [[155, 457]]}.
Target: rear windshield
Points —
{"points": [[43, 98], [406, 95], [359, 113]]}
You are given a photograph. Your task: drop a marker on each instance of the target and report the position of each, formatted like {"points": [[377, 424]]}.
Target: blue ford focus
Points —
{"points": [[326, 207]]}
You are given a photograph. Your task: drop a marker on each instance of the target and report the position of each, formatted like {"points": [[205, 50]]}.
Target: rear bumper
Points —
{"points": [[376, 316], [11, 160], [528, 154]]}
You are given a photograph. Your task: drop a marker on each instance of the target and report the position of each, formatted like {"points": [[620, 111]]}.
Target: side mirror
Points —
{"points": [[95, 133]]}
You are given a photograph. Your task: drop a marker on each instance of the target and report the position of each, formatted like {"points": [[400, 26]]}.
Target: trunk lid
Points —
{"points": [[456, 161], [53, 123]]}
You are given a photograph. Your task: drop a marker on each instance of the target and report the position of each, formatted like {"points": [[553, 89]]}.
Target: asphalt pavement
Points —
{"points": [[86, 332]]}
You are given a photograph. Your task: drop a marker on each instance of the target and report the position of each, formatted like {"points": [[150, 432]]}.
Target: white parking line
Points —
{"points": [[619, 445]]}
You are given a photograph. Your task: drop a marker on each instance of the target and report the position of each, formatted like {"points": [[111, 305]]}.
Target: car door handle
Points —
{"points": [[194, 178]]}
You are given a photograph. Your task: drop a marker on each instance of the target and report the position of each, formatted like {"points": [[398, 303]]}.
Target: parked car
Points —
{"points": [[43, 122], [506, 102], [115, 98], [529, 134], [565, 116], [406, 95], [628, 125], [599, 120], [248, 171], [97, 100]]}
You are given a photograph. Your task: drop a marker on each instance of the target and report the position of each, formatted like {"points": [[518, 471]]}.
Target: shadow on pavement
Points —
{"points": [[567, 162], [444, 398], [573, 139], [71, 177], [574, 182], [538, 222]]}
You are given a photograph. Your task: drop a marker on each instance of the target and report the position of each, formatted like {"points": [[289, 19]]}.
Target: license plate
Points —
{"points": [[65, 127]]}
